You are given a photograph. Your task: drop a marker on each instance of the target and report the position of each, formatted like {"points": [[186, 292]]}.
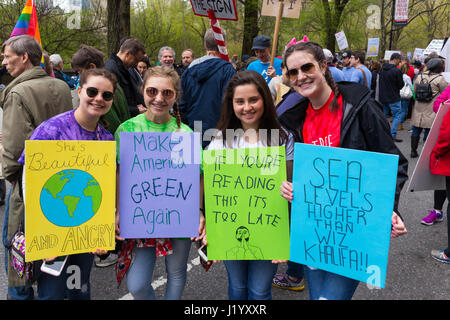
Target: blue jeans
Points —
{"points": [[324, 285], [14, 293], [250, 279], [67, 285], [140, 273], [416, 131], [405, 104], [396, 109]]}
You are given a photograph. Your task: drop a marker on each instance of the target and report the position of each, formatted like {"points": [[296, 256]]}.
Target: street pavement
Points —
{"points": [[412, 274]]}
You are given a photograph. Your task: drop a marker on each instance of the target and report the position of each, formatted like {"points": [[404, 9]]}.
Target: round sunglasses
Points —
{"points": [[92, 92], [153, 92]]}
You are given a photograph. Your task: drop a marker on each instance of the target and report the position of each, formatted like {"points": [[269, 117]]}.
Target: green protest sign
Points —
{"points": [[246, 217]]}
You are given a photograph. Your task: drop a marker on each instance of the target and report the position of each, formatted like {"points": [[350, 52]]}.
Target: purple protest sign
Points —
{"points": [[159, 184]]}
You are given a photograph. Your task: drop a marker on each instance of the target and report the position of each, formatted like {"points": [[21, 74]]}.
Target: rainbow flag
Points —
{"points": [[28, 24]]}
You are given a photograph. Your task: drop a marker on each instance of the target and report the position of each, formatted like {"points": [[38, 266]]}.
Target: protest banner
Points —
{"points": [[159, 194], [422, 179], [69, 192], [372, 47], [223, 10], [246, 218], [341, 40], [401, 12], [341, 211]]}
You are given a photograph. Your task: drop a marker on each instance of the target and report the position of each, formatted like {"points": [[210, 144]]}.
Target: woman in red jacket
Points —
{"points": [[440, 165]]}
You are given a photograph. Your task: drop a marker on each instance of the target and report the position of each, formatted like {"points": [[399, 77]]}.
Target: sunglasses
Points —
{"points": [[153, 92], [93, 92], [306, 68]]}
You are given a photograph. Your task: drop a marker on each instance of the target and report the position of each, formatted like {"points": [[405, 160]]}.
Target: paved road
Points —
{"points": [[412, 273]]}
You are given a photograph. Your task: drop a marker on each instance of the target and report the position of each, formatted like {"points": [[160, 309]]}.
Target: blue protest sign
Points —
{"points": [[342, 209]]}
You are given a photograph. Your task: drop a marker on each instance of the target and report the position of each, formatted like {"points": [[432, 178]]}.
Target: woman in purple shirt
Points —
{"points": [[96, 91]]}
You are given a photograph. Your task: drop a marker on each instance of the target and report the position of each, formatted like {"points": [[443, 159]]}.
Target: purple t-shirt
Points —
{"points": [[64, 126]]}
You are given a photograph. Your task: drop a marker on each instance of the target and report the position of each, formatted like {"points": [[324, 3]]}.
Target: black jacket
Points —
{"points": [[390, 83], [364, 127], [130, 89]]}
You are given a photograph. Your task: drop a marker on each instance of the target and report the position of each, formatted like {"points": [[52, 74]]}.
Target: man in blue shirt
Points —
{"points": [[348, 69], [337, 74], [362, 75], [261, 46]]}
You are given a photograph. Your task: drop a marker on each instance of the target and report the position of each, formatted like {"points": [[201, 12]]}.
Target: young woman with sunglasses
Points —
{"points": [[345, 116], [96, 91], [249, 120], [137, 258]]}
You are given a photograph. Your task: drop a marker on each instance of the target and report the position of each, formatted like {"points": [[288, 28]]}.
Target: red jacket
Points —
{"points": [[440, 156]]}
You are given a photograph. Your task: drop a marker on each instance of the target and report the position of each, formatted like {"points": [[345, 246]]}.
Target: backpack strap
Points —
{"points": [[364, 75]]}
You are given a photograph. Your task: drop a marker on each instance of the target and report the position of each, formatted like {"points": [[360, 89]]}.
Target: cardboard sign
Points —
{"points": [[246, 218], [291, 9], [342, 209], [434, 46], [70, 191], [388, 54], [341, 40], [223, 10], [159, 184], [418, 54], [422, 179]]}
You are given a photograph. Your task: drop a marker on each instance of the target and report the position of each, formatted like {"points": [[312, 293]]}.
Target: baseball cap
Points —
{"points": [[395, 55], [347, 54], [328, 55], [261, 42]]}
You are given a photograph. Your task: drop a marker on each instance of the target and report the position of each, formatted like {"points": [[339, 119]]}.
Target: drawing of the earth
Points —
{"points": [[70, 198]]}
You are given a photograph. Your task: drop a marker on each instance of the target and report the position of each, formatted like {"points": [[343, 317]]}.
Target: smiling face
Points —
{"points": [[167, 58], [309, 83], [248, 106], [159, 96], [94, 107]]}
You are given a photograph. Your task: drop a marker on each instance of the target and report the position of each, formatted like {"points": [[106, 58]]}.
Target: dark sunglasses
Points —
{"points": [[153, 92], [306, 68], [93, 92]]}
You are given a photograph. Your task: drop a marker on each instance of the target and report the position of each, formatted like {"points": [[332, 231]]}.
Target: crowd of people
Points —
{"points": [[306, 94]]}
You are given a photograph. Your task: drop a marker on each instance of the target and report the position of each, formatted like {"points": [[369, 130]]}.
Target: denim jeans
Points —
{"points": [[416, 131], [140, 273], [396, 109], [324, 285], [405, 104], [250, 279], [57, 288]]}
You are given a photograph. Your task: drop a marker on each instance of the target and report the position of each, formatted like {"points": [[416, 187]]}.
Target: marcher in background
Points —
{"points": [[96, 91], [248, 105], [423, 114], [203, 84], [405, 94], [347, 68], [337, 74], [143, 66], [390, 82], [187, 56], [58, 65], [31, 98], [262, 46], [366, 129], [361, 74], [138, 256], [130, 53]]}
